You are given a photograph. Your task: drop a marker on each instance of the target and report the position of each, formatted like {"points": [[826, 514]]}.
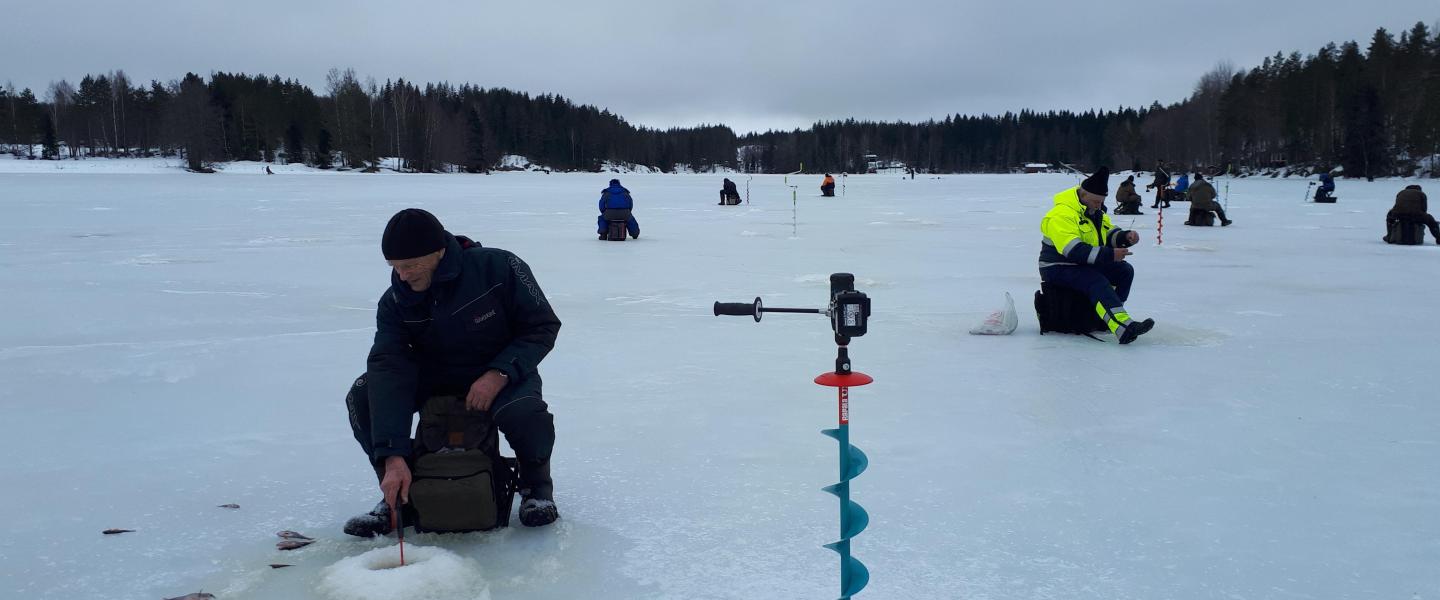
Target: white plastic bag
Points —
{"points": [[1000, 322]]}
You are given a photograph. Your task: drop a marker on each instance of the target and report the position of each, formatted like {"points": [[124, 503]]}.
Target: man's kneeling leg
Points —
{"points": [[357, 404], [530, 429]]}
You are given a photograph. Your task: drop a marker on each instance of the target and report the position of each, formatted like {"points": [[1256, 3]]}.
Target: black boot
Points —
{"points": [[1134, 330], [537, 494], [376, 522]]}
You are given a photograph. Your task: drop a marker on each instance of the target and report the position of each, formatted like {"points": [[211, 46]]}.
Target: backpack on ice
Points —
{"points": [[1063, 310], [459, 481]]}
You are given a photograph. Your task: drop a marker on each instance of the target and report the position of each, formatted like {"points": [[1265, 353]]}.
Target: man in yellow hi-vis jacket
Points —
{"points": [[1081, 250]]}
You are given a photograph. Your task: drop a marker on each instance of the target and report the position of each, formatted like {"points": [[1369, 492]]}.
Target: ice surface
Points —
{"points": [[429, 573], [171, 342]]}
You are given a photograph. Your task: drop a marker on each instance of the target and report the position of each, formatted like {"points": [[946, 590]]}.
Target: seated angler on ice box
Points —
{"points": [[1082, 251], [1326, 192], [467, 327], [1127, 202], [1203, 207], [827, 186], [617, 205]]}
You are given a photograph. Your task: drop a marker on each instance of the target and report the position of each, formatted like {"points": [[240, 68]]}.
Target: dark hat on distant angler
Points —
{"points": [[1415, 187], [614, 182], [1099, 183], [412, 233]]}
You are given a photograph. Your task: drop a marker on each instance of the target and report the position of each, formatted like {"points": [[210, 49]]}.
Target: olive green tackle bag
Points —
{"points": [[459, 480]]}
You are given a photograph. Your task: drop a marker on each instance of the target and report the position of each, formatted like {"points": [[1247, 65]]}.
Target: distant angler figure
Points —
{"points": [[616, 205]]}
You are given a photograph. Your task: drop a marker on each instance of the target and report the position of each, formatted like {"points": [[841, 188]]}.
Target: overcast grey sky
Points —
{"points": [[748, 64]]}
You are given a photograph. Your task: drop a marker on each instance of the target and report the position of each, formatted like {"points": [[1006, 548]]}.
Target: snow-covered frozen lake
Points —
{"points": [[174, 342]]}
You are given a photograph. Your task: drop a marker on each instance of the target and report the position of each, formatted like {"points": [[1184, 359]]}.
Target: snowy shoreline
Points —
{"points": [[510, 164]]}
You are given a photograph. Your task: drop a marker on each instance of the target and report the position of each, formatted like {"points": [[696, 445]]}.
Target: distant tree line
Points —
{"points": [[1375, 112], [351, 125]]}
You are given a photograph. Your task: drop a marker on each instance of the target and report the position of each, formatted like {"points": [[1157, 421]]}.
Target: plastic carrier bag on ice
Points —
{"points": [[1000, 322], [429, 574]]}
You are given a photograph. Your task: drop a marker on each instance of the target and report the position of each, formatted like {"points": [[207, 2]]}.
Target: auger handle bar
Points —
{"points": [[757, 308]]}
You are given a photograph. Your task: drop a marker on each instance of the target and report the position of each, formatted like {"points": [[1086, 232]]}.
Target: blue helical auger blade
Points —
{"points": [[858, 463], [853, 518], [856, 576], [853, 574], [857, 520]]}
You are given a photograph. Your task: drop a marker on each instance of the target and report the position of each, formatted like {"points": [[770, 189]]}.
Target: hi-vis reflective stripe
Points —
{"points": [[1071, 246], [1094, 255], [1116, 320]]}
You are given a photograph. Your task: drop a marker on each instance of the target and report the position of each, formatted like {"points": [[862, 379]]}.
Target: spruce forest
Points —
{"points": [[1372, 110]]}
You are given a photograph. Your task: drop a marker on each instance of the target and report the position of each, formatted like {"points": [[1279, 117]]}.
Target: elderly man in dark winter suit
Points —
{"points": [[461, 320]]}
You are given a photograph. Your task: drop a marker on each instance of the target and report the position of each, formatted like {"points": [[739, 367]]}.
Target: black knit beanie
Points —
{"points": [[1099, 183], [412, 233]]}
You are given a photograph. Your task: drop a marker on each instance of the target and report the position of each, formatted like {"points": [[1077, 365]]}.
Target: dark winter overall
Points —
{"points": [[483, 311]]}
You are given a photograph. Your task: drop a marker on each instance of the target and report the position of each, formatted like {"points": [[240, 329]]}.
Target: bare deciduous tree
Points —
{"points": [[119, 92], [60, 95], [1206, 101]]}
